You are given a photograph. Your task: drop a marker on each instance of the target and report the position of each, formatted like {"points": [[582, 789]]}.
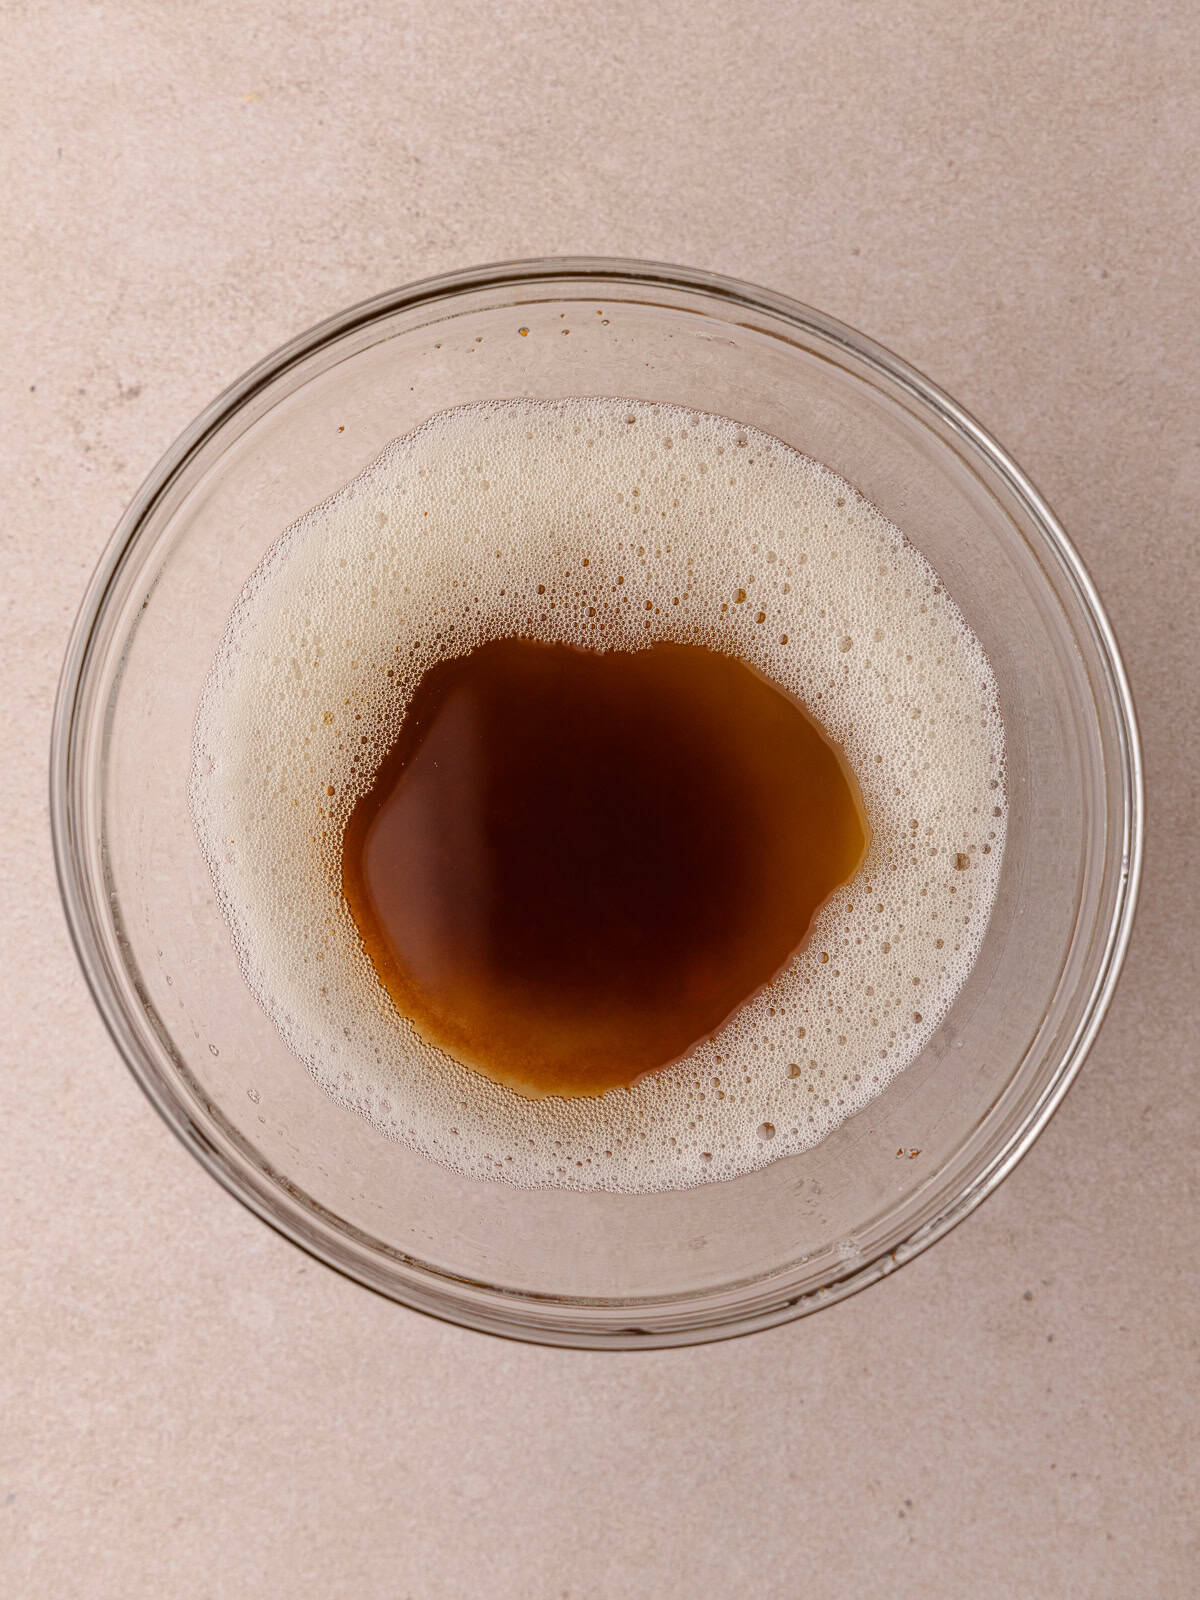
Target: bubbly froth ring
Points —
{"points": [[612, 523]]}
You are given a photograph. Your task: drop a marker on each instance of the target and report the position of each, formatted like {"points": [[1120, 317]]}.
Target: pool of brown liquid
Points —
{"points": [[573, 865]]}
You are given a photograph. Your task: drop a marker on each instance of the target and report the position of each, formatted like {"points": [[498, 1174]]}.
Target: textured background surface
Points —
{"points": [[1002, 192]]}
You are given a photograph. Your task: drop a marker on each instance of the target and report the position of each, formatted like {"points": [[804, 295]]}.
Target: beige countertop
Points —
{"points": [[1004, 193]]}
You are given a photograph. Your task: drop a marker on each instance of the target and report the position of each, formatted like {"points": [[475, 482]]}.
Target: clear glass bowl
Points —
{"points": [[598, 1270]]}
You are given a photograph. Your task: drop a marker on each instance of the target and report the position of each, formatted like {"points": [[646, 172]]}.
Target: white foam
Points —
{"points": [[613, 523]]}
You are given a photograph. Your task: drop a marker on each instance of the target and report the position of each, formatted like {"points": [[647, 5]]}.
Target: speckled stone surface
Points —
{"points": [[1006, 195]]}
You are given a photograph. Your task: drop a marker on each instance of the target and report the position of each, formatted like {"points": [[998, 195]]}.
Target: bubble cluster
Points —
{"points": [[610, 523]]}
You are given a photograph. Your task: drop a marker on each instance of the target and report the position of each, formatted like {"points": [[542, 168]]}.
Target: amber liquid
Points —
{"points": [[572, 866]]}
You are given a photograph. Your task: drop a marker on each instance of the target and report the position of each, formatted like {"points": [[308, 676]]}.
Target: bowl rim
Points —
{"points": [[294, 1221]]}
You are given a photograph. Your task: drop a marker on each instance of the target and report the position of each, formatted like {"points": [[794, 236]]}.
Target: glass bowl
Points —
{"points": [[595, 1270]]}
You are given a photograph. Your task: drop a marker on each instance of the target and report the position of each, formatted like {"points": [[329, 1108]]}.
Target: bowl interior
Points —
{"points": [[592, 1268]]}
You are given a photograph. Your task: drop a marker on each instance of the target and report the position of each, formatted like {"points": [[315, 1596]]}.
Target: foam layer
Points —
{"points": [[610, 523]]}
